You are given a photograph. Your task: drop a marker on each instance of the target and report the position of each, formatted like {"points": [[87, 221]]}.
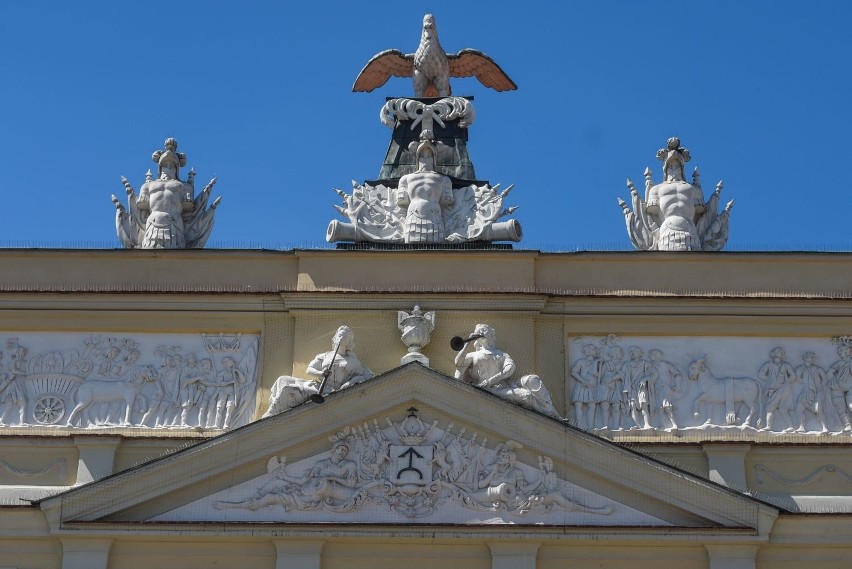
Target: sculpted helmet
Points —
{"points": [[673, 155], [424, 147]]}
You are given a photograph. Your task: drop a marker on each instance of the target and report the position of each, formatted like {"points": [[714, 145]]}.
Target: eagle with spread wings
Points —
{"points": [[431, 67]]}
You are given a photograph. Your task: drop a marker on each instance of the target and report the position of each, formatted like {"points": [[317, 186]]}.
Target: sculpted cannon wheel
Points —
{"points": [[49, 409]]}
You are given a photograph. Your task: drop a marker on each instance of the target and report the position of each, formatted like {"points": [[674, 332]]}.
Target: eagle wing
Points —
{"points": [[383, 66], [469, 62]]}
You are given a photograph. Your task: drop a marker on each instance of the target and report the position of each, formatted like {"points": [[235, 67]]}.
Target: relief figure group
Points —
{"points": [[612, 392], [114, 382]]}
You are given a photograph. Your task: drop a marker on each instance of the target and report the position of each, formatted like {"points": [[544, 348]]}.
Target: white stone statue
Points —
{"points": [[416, 328], [673, 215], [288, 392], [422, 195], [431, 67], [336, 369], [424, 208], [166, 214], [487, 367]]}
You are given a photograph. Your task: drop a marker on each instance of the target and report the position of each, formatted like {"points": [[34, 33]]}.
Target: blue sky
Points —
{"points": [[259, 94]]}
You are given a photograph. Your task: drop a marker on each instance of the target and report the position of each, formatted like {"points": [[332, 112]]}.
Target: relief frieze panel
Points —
{"points": [[774, 385], [86, 381]]}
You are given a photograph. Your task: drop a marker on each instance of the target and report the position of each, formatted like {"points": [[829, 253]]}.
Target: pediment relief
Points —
{"points": [[416, 471], [409, 446]]}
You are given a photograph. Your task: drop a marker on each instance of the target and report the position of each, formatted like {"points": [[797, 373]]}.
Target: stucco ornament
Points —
{"points": [[424, 208], [664, 385], [416, 327], [480, 363], [166, 214], [674, 216], [416, 470], [145, 380], [336, 369], [431, 67]]}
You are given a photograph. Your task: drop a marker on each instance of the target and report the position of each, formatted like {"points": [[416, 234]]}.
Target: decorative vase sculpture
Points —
{"points": [[416, 328]]}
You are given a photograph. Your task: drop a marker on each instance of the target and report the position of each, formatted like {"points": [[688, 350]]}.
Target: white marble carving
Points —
{"points": [[60, 464], [731, 391], [339, 368], [673, 216], [424, 208], [431, 67], [166, 214], [480, 363], [141, 380], [288, 392], [410, 471], [814, 476], [416, 327], [443, 111], [743, 383]]}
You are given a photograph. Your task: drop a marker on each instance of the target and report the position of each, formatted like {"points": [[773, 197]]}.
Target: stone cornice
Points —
{"points": [[577, 535], [753, 276], [492, 302]]}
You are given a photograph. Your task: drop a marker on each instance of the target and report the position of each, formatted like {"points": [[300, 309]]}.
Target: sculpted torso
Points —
{"points": [[164, 197], [487, 364], [424, 193], [345, 368], [675, 199]]}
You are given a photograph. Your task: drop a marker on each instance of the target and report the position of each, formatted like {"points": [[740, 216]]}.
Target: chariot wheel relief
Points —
{"points": [[49, 409]]}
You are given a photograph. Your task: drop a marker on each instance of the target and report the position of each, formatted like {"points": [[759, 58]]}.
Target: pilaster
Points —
{"points": [[513, 555], [97, 456], [732, 556], [301, 554], [85, 553], [726, 464]]}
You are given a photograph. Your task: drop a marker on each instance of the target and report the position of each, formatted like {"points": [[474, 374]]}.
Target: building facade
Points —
{"points": [[135, 384]]}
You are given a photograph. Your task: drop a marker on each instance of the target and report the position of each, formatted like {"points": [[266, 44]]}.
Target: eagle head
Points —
{"points": [[430, 29]]}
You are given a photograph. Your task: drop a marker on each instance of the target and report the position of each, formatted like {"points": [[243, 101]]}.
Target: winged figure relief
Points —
{"points": [[431, 67]]}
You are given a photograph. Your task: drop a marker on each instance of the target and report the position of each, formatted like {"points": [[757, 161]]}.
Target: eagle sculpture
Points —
{"points": [[431, 67]]}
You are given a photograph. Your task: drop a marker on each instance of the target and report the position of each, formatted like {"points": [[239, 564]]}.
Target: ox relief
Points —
{"points": [[145, 380], [409, 469], [770, 384]]}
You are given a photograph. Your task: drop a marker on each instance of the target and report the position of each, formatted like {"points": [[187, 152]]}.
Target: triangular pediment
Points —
{"points": [[411, 446]]}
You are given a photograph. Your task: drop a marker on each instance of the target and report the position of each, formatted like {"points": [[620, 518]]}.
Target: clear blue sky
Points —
{"points": [[259, 94]]}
